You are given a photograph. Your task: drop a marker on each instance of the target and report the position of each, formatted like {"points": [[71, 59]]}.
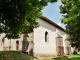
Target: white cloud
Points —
{"points": [[62, 25], [59, 24]]}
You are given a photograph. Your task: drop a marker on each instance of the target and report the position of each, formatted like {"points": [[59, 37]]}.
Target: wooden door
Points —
{"points": [[17, 45]]}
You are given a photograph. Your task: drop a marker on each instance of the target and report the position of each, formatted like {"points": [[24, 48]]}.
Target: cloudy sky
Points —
{"points": [[52, 12]]}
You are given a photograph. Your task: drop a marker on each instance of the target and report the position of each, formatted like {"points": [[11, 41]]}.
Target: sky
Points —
{"points": [[52, 12]]}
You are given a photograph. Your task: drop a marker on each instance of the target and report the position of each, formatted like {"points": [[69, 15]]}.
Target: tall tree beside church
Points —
{"points": [[19, 16], [71, 17]]}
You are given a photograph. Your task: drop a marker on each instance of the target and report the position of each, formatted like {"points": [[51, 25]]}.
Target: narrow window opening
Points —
{"points": [[46, 36]]}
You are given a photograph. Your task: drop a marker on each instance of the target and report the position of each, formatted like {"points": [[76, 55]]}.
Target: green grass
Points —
{"points": [[71, 57], [13, 55], [75, 55], [61, 58]]}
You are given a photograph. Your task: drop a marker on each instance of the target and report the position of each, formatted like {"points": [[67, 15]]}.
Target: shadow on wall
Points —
{"points": [[27, 47]]}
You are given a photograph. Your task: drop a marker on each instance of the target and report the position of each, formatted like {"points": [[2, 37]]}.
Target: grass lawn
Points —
{"points": [[76, 55], [71, 57], [15, 55]]}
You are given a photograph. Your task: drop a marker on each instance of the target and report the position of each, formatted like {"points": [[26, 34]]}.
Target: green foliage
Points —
{"points": [[71, 17], [19, 16]]}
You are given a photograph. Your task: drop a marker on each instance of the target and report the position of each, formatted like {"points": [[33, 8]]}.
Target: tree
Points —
{"points": [[71, 17], [19, 16]]}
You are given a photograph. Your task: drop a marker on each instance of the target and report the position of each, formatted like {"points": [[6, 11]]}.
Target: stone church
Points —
{"points": [[48, 40]]}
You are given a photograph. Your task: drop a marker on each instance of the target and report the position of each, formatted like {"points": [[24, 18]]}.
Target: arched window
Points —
{"points": [[17, 42], [46, 36]]}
